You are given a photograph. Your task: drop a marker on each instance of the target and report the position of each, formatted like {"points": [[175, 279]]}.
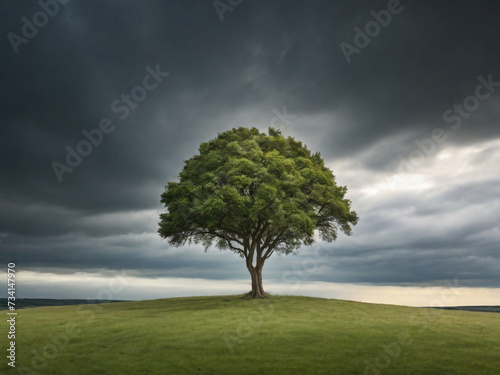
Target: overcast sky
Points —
{"points": [[402, 99]]}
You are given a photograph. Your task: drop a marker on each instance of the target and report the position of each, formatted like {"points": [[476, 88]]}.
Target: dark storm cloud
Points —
{"points": [[141, 255], [262, 57]]}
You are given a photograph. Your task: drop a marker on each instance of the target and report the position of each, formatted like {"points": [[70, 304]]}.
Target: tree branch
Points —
{"points": [[218, 235]]}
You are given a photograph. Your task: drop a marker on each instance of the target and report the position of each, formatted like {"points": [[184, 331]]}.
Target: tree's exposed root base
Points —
{"points": [[252, 295]]}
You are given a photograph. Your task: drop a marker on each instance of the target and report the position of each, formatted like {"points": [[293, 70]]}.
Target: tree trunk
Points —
{"points": [[257, 288]]}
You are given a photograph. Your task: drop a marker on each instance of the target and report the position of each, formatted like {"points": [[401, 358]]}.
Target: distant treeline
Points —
{"points": [[22, 303], [39, 302], [495, 309]]}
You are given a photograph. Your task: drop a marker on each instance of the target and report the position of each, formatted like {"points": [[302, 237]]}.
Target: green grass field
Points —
{"points": [[230, 335]]}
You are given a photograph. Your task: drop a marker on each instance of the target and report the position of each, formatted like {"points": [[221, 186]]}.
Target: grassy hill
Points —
{"points": [[230, 335]]}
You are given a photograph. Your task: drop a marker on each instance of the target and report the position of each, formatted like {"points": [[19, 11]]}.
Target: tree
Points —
{"points": [[254, 194]]}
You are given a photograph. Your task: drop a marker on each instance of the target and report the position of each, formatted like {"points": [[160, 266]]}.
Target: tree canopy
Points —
{"points": [[254, 194]]}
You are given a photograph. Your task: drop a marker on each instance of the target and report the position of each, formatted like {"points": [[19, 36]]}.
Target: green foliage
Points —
{"points": [[245, 187]]}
